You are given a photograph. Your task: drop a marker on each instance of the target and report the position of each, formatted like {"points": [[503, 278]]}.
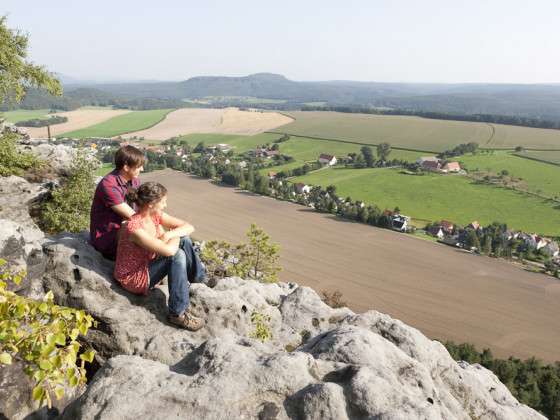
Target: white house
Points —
{"points": [[242, 164], [302, 188], [327, 159]]}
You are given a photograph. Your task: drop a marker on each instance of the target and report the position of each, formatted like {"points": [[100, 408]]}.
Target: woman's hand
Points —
{"points": [[167, 236]]}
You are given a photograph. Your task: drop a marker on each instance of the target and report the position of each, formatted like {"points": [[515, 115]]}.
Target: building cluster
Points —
{"points": [[435, 164], [449, 233]]}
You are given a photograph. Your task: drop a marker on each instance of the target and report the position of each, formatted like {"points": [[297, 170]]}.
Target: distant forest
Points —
{"points": [[522, 105]]}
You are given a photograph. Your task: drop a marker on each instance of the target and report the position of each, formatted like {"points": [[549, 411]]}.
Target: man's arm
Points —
{"points": [[123, 210]]}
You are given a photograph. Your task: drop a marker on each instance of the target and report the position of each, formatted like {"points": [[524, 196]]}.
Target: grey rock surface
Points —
{"points": [[20, 238], [339, 364], [59, 156]]}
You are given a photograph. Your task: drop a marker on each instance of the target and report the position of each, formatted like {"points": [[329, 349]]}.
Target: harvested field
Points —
{"points": [[227, 121], [417, 133], [444, 292], [77, 119]]}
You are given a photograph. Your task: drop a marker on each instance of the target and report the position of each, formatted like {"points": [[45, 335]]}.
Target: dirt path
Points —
{"points": [[226, 121], [444, 292], [77, 119]]}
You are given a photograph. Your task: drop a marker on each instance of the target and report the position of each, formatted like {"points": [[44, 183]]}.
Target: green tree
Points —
{"points": [[69, 207], [262, 255], [383, 151], [16, 72], [367, 153]]}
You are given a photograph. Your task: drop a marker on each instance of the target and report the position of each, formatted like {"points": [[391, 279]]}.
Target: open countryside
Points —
{"points": [[229, 120], [126, 123], [25, 114], [77, 119], [445, 292], [435, 197], [417, 133]]}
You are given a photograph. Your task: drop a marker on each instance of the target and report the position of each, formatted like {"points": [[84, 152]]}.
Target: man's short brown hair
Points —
{"points": [[129, 155]]}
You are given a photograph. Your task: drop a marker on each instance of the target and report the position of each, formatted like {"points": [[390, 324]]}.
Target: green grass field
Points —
{"points": [[122, 124], [549, 156], [104, 169], [541, 178], [436, 197], [416, 133], [25, 114], [240, 143]]}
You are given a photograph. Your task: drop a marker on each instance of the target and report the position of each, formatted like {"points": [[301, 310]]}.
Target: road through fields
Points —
{"points": [[446, 293]]}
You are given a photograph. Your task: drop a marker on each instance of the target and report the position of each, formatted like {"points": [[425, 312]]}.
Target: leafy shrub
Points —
{"points": [[257, 259], [333, 299], [262, 329], [12, 161], [68, 209], [43, 336]]}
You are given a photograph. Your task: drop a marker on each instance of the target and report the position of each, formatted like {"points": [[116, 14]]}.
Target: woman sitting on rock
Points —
{"points": [[146, 253]]}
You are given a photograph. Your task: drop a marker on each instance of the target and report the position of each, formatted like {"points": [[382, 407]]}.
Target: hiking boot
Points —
{"points": [[186, 321]]}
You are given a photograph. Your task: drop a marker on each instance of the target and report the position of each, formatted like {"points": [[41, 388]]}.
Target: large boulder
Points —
{"points": [[346, 373], [136, 325], [20, 238], [59, 156], [320, 362]]}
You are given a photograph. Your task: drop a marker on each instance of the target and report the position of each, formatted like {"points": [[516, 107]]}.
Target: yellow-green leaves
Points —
{"points": [[262, 329], [6, 358], [43, 336]]}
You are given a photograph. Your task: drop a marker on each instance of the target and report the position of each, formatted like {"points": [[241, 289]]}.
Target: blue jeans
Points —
{"points": [[181, 270]]}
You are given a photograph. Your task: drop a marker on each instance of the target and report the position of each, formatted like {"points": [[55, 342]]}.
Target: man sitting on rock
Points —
{"points": [[110, 208]]}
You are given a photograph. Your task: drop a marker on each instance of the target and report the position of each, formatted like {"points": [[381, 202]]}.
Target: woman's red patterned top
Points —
{"points": [[131, 266]]}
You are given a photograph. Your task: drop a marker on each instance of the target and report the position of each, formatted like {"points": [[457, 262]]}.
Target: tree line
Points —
{"points": [[487, 118], [531, 381]]}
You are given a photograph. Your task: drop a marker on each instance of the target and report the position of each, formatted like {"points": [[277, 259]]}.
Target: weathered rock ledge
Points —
{"points": [[321, 363]]}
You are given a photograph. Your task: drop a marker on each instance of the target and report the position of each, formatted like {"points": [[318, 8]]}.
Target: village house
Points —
{"points": [[474, 225], [400, 222], [451, 167], [326, 159], [242, 164], [224, 147], [429, 163], [262, 152], [271, 175]]}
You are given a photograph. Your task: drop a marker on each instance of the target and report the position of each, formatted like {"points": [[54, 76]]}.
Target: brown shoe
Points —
{"points": [[187, 321]]}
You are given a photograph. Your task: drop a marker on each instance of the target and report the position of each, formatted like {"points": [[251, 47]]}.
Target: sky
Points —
{"points": [[452, 41]]}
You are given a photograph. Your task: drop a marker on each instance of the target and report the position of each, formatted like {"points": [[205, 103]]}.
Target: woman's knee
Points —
{"points": [[180, 257]]}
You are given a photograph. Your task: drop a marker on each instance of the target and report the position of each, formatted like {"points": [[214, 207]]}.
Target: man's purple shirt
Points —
{"points": [[104, 222]]}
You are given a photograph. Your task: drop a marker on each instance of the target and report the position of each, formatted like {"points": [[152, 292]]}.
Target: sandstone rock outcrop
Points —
{"points": [[320, 363], [20, 238]]}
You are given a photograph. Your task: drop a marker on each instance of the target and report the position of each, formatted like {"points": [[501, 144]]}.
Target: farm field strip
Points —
{"points": [[436, 197], [444, 292], [78, 119], [226, 121], [131, 121], [417, 133], [552, 157], [25, 114]]}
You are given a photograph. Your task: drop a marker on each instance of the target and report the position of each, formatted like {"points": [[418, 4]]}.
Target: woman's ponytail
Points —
{"points": [[132, 195]]}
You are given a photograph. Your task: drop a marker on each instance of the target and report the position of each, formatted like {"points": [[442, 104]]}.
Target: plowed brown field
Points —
{"points": [[226, 121], [77, 119], [444, 292]]}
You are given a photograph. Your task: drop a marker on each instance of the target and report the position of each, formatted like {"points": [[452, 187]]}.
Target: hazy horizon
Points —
{"points": [[431, 42]]}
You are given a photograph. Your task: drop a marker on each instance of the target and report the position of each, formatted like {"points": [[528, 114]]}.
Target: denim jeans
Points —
{"points": [[181, 269]]}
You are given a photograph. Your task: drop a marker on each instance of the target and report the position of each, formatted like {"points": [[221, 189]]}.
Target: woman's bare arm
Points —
{"points": [[165, 248], [177, 227]]}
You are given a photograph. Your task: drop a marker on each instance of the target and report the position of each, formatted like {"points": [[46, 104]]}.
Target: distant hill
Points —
{"points": [[535, 101]]}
